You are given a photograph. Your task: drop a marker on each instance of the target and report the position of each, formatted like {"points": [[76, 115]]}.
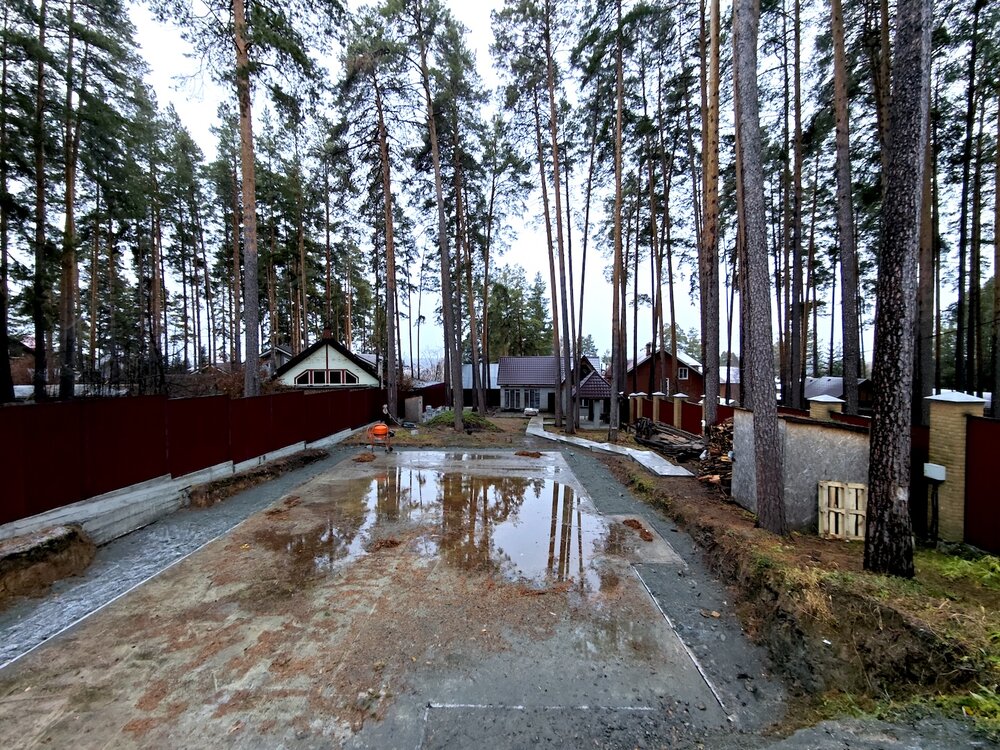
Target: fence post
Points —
{"points": [[820, 407], [657, 398], [679, 410], [948, 425]]}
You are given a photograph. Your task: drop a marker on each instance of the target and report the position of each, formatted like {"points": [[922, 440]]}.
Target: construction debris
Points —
{"points": [[667, 440], [717, 461]]}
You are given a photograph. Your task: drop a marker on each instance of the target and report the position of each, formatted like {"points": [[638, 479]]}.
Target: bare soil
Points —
{"points": [[206, 495], [840, 637], [30, 564]]}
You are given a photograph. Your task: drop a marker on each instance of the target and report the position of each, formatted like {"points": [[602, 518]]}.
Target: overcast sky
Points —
{"points": [[176, 79]]}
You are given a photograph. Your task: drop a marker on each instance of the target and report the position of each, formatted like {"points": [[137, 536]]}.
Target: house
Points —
{"points": [[327, 364], [492, 386], [274, 358], [647, 377], [834, 386], [529, 382], [731, 377], [594, 400]]}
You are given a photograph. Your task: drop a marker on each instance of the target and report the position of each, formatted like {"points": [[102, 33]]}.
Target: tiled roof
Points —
{"points": [[594, 386], [683, 358], [539, 370]]}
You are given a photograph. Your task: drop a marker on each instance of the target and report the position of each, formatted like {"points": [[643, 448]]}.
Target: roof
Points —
{"points": [[467, 375], [682, 357], [594, 386], [534, 370], [333, 343]]}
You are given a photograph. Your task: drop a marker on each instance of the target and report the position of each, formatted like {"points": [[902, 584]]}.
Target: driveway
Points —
{"points": [[424, 599]]}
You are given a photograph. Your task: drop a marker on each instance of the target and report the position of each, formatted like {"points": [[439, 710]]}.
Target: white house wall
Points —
{"points": [[328, 358]]}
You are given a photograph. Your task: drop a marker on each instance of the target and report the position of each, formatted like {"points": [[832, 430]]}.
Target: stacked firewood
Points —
{"points": [[717, 463]]}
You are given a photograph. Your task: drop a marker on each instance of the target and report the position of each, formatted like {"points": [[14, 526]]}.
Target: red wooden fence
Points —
{"points": [[982, 500], [55, 454]]}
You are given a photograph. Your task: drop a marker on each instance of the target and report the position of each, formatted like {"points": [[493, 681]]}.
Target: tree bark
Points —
{"points": [[616, 343], [452, 348], [563, 385], [40, 284], [923, 371], [797, 351], [251, 373], [708, 260], [845, 216], [6, 380], [995, 338], [888, 540], [768, 457]]}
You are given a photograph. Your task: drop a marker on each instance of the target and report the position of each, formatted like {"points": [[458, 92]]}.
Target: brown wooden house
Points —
{"points": [[646, 376]]}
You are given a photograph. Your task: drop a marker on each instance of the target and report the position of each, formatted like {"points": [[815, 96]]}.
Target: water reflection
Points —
{"points": [[530, 529]]}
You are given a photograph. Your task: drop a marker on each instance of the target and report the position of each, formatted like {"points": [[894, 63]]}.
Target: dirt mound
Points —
{"points": [[30, 564]]}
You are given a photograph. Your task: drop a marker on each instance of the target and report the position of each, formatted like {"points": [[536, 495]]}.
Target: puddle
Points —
{"points": [[534, 530]]}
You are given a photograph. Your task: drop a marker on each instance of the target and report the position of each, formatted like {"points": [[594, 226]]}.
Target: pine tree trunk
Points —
{"points": [[563, 386], [708, 258], [6, 379], [390, 260], [797, 358], [845, 216], [40, 286], [251, 373], [961, 353], [236, 280], [449, 323], [923, 371], [68, 280], [768, 459], [554, 287], [616, 344], [995, 337], [974, 339], [889, 541]]}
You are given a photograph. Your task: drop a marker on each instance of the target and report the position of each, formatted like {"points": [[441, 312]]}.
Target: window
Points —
{"points": [[682, 373], [350, 377], [302, 379], [511, 398], [336, 377], [319, 377], [531, 398]]}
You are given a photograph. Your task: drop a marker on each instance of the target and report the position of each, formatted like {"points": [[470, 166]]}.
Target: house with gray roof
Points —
{"points": [[530, 382]]}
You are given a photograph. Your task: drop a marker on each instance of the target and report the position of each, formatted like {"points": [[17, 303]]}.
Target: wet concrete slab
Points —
{"points": [[426, 598]]}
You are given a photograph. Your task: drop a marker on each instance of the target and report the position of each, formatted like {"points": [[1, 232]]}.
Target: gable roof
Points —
{"points": [[534, 370], [683, 358], [594, 386], [334, 344], [827, 386]]}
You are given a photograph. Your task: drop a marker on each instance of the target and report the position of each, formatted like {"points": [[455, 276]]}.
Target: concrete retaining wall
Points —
{"points": [[813, 452]]}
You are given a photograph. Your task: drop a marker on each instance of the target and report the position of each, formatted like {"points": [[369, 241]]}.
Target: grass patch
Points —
{"points": [[469, 418]]}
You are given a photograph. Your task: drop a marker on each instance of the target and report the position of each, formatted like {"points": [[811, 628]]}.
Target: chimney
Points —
{"points": [[649, 348], [327, 333]]}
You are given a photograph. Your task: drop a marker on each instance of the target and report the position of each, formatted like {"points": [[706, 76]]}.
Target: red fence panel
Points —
{"points": [[982, 501], [691, 417], [249, 427], [667, 411], [197, 433], [125, 442], [54, 462], [724, 413], [289, 423], [435, 396], [13, 460], [793, 412]]}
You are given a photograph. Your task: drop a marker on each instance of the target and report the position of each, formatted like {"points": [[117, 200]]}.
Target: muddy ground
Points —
{"points": [[370, 607]]}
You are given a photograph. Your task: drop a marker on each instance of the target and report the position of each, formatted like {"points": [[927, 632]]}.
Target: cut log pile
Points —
{"points": [[717, 465], [667, 440]]}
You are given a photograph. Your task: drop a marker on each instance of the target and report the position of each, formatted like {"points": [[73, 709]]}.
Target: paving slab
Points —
{"points": [[653, 462]]}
